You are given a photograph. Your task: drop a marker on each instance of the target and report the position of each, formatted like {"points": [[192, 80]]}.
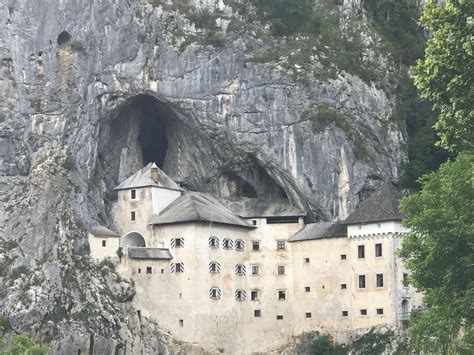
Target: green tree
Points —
{"points": [[446, 73], [439, 254], [23, 345]]}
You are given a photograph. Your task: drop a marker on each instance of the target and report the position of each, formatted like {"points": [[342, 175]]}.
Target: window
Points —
{"points": [[177, 243], [133, 194], [280, 317], [378, 250], [281, 295], [254, 295], [405, 280], [255, 245], [132, 215], [343, 286], [257, 313], [239, 245], [284, 219], [214, 267], [139, 270], [162, 271], [240, 295], [104, 243], [306, 260], [280, 244], [363, 312], [361, 251], [255, 269], [215, 293], [307, 289], [281, 270], [379, 280], [181, 322], [177, 267], [240, 269], [254, 222], [361, 281], [379, 311], [228, 244], [214, 242], [345, 313], [343, 257], [308, 315], [149, 270]]}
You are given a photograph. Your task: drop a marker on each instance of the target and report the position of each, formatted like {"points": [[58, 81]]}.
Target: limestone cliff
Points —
{"points": [[87, 86]]}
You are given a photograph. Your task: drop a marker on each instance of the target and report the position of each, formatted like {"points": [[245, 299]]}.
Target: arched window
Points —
{"points": [[215, 293], [240, 270], [214, 267], [240, 295], [213, 242], [239, 245], [228, 244], [133, 240]]}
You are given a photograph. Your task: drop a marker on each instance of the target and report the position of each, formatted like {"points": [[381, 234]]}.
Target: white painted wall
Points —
{"points": [[355, 230], [99, 252]]}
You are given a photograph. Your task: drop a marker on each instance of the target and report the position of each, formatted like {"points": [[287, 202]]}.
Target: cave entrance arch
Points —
{"points": [[133, 239], [152, 135]]}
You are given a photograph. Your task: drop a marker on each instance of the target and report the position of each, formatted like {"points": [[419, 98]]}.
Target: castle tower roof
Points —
{"points": [[143, 178], [198, 207], [382, 205]]}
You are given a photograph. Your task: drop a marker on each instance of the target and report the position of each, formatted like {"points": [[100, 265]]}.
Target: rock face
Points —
{"points": [[91, 90]]}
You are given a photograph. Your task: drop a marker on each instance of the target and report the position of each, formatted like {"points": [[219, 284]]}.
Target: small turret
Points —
{"points": [[154, 173]]}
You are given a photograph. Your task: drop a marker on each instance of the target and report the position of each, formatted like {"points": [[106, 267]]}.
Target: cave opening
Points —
{"points": [[63, 38], [152, 135]]}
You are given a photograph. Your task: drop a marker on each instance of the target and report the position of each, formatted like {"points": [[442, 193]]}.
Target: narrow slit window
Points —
{"points": [[132, 215], [281, 270], [379, 280], [361, 251], [133, 194], [361, 281], [104, 243], [378, 250]]}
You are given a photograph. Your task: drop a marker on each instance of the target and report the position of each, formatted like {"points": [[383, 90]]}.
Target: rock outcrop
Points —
{"points": [[85, 89]]}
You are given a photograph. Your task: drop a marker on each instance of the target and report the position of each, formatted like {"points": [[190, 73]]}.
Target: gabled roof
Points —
{"points": [[198, 207], [103, 231], [320, 230], [142, 178], [149, 253], [382, 205], [255, 207]]}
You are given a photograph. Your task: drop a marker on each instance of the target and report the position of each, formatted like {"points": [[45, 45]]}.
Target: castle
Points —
{"points": [[248, 275]]}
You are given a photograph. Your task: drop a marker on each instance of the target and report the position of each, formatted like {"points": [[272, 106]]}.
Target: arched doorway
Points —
{"points": [[133, 239]]}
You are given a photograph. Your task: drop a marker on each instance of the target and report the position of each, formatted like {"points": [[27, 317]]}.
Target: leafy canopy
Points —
{"points": [[23, 345], [439, 253], [445, 75]]}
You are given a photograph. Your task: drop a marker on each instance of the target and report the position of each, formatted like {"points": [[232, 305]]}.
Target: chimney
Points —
{"points": [[154, 174]]}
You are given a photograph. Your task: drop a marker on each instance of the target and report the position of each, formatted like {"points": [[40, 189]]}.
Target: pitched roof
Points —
{"points": [[103, 231], [320, 230], [149, 253], [142, 178], [382, 205], [198, 207], [255, 207]]}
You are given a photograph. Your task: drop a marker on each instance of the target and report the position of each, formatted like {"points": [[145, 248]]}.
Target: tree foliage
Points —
{"points": [[445, 75], [439, 254], [23, 345]]}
